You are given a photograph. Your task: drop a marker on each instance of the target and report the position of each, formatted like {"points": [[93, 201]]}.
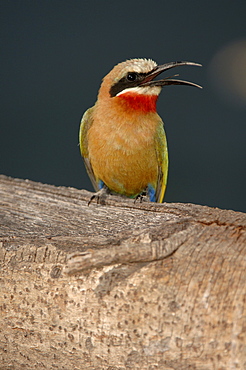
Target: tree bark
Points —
{"points": [[118, 286]]}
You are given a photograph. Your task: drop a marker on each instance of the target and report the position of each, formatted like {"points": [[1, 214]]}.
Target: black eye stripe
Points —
{"points": [[131, 79]]}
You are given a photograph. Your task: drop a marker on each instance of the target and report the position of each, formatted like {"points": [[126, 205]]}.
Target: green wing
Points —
{"points": [[85, 124], [162, 156]]}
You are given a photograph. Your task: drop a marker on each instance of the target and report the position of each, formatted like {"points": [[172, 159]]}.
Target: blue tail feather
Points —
{"points": [[151, 193]]}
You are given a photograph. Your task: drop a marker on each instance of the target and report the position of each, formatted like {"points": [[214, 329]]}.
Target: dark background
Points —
{"points": [[54, 54]]}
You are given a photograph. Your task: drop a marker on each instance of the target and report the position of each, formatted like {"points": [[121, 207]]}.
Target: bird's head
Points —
{"points": [[133, 82]]}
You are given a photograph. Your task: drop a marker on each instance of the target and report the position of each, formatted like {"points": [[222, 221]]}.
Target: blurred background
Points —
{"points": [[54, 54]]}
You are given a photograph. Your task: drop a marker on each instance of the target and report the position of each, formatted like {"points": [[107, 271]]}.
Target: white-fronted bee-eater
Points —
{"points": [[122, 138]]}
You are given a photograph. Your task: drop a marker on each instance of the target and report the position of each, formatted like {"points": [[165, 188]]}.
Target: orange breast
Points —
{"points": [[122, 149]]}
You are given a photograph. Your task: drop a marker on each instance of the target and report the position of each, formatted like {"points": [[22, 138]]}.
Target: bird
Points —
{"points": [[122, 138]]}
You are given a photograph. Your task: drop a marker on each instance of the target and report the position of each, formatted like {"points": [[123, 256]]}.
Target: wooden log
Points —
{"points": [[118, 286]]}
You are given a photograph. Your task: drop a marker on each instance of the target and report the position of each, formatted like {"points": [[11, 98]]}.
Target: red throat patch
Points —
{"points": [[140, 102]]}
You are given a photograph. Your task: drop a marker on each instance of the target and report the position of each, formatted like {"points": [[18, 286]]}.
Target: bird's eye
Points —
{"points": [[132, 76]]}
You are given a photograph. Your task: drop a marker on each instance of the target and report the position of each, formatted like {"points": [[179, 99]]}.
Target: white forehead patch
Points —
{"points": [[137, 65], [142, 90]]}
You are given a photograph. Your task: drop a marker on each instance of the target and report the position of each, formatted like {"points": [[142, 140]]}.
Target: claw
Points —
{"points": [[141, 197], [100, 195]]}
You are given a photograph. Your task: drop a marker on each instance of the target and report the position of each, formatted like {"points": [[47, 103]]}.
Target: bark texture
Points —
{"points": [[118, 286]]}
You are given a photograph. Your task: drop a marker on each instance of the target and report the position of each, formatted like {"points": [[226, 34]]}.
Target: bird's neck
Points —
{"points": [[138, 102]]}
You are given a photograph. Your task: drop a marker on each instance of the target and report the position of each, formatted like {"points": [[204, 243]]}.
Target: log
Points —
{"points": [[118, 286]]}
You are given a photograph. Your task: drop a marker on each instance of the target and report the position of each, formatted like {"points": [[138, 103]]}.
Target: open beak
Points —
{"points": [[149, 80]]}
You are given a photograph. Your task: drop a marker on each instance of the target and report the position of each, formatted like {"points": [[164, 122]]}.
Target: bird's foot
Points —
{"points": [[100, 195], [141, 197]]}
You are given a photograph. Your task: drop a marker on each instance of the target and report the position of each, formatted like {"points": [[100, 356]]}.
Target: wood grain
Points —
{"points": [[118, 286]]}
